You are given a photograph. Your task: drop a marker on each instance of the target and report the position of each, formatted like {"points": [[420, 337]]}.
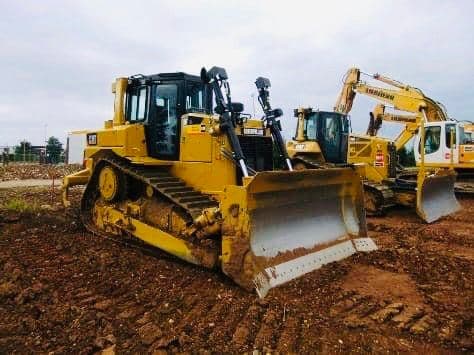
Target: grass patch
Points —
{"points": [[20, 205]]}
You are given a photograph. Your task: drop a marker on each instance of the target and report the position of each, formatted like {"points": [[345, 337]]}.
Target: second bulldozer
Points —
{"points": [[197, 181]]}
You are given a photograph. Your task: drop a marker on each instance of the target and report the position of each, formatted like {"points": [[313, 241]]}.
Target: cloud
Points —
{"points": [[59, 58]]}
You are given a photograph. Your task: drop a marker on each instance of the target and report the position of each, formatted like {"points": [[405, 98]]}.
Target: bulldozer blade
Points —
{"points": [[435, 196], [302, 220]]}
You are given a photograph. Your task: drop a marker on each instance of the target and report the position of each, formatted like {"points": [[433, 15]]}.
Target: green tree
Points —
{"points": [[406, 157], [23, 148], [54, 148]]}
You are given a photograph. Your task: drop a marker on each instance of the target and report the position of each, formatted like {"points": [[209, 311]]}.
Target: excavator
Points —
{"points": [[431, 192], [182, 168], [324, 140], [440, 150]]}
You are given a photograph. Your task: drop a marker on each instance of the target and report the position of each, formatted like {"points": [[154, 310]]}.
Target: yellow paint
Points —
{"points": [[202, 165], [149, 234], [363, 150], [311, 148], [300, 145], [108, 183]]}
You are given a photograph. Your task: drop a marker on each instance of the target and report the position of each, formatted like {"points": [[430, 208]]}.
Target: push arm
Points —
{"points": [[271, 118], [217, 77]]}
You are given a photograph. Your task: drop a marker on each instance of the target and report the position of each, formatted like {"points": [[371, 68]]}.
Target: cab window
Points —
{"points": [[137, 104], [450, 127], [166, 99], [331, 128], [346, 124], [432, 139], [311, 127], [195, 98]]}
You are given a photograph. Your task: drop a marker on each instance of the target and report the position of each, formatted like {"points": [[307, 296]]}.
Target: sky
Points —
{"points": [[59, 58]]}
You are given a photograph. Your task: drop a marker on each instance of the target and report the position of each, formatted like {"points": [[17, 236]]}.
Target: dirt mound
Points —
{"points": [[64, 290]]}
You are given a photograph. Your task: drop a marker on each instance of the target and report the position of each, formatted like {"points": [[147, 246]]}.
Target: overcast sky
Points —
{"points": [[59, 58]]}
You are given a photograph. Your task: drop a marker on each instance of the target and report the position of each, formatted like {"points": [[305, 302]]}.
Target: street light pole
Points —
{"points": [[253, 103]]}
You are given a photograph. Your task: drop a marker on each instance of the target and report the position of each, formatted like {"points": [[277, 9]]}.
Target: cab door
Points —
{"points": [[448, 127], [163, 125], [333, 137]]}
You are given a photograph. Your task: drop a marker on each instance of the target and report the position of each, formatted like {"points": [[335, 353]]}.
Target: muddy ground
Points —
{"points": [[64, 290]]}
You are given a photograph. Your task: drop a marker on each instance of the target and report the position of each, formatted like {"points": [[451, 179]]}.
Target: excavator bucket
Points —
{"points": [[435, 195], [299, 221]]}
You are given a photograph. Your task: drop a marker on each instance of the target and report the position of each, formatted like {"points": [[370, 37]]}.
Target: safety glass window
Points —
{"points": [[331, 129], [346, 126], [311, 127], [449, 128], [137, 104], [142, 104], [432, 139], [195, 98], [166, 99], [133, 107]]}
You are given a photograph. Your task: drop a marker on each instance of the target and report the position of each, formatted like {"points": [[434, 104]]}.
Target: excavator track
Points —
{"points": [[159, 179], [380, 196], [464, 184]]}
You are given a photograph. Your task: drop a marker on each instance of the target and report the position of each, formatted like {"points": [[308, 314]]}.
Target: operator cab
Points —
{"points": [[158, 101], [331, 130]]}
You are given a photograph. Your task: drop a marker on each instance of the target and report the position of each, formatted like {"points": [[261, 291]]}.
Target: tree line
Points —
{"points": [[52, 153]]}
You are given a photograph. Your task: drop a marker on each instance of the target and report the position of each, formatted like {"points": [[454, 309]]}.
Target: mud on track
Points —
{"points": [[63, 290]]}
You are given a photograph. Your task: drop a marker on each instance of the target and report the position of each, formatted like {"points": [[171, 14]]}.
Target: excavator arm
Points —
{"points": [[400, 96], [378, 115]]}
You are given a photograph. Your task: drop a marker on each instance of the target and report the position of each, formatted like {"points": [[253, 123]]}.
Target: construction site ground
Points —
{"points": [[64, 290]]}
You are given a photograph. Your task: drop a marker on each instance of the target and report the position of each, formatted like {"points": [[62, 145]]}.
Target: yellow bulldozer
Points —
{"points": [[182, 168]]}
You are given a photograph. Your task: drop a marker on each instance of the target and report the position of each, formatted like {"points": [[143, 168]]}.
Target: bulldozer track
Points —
{"points": [[163, 183], [382, 194]]}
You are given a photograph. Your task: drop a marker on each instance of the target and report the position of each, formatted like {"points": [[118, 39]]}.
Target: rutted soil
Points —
{"points": [[64, 290]]}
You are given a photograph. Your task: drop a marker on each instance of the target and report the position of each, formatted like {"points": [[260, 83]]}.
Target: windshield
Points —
{"points": [[194, 97], [311, 126], [333, 123]]}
